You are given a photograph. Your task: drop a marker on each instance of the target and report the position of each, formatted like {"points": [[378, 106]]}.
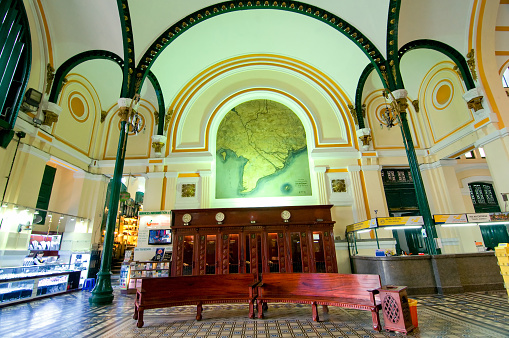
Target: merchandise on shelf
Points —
{"points": [[132, 273], [27, 282]]}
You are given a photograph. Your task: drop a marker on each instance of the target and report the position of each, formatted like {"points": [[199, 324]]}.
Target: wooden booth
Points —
{"points": [[253, 240]]}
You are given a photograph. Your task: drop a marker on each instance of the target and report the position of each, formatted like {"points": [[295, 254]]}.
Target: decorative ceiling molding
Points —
{"points": [[172, 33], [68, 65], [445, 49]]}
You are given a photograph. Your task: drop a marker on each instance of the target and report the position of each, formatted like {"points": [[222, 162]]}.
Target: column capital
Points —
{"points": [[155, 175], [205, 173], [158, 143], [320, 169], [400, 94]]}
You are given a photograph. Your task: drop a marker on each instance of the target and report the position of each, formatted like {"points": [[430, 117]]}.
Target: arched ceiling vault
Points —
{"points": [[177, 40]]}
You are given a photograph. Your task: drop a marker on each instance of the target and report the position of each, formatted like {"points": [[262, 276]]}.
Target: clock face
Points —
{"points": [[219, 217], [186, 218], [285, 215]]}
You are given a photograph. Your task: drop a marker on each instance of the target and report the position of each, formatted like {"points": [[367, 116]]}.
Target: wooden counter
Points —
{"points": [[440, 274]]}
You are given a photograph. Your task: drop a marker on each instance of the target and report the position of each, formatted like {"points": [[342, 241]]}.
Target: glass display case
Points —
{"points": [[28, 282]]}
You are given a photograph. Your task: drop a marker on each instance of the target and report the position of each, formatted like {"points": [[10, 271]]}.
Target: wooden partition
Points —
{"points": [[253, 240]]}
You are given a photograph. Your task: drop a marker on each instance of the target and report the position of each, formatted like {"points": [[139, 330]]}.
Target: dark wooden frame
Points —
{"points": [[255, 223]]}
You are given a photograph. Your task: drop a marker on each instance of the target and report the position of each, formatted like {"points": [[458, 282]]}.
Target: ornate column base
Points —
{"points": [[103, 292]]}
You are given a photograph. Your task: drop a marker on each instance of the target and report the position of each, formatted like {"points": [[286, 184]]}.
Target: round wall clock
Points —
{"points": [[186, 218], [286, 215], [219, 217]]}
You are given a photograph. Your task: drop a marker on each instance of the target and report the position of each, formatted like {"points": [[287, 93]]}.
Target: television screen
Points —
{"points": [[160, 236]]}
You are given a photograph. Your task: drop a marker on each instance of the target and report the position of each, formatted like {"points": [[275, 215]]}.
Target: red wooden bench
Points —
{"points": [[194, 290], [354, 291]]}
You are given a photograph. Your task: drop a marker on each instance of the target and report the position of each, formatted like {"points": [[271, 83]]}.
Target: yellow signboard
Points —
{"points": [[370, 223], [407, 220], [460, 218]]}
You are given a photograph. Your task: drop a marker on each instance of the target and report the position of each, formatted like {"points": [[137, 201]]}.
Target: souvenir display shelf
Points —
{"points": [[132, 273], [29, 282]]}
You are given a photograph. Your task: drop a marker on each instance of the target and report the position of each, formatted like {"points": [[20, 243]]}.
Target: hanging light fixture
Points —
{"points": [[390, 116]]}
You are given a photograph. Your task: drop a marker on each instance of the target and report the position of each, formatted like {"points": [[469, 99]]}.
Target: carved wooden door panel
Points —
{"points": [[329, 249], [178, 255], [306, 259], [281, 250]]}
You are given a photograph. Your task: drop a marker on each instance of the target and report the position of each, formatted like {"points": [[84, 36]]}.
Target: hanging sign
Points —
{"points": [[450, 219], [124, 196], [407, 220], [370, 223], [477, 218], [499, 216]]}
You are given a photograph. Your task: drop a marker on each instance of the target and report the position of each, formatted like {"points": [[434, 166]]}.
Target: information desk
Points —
{"points": [[29, 282], [438, 274]]}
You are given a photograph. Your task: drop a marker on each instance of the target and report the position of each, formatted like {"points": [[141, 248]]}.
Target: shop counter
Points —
{"points": [[30, 282], [438, 274]]}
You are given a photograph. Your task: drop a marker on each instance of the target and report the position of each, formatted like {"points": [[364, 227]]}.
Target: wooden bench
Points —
{"points": [[354, 291], [194, 290]]}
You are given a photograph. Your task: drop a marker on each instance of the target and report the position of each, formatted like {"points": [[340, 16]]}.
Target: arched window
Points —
{"points": [[483, 197]]}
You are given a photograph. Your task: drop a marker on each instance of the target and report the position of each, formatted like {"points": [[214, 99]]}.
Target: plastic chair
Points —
{"points": [[89, 284]]}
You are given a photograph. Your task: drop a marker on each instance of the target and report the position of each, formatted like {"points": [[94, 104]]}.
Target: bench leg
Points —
{"points": [[375, 314], [140, 318], [315, 312], [135, 316], [260, 308], [251, 309], [265, 306], [325, 309], [199, 309]]}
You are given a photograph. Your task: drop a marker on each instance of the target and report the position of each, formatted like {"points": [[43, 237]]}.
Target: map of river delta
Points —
{"points": [[261, 152]]}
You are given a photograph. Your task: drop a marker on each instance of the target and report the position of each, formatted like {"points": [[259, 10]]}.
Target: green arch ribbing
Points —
{"points": [[160, 101], [66, 67], [393, 73], [445, 49], [193, 19], [128, 43], [358, 93]]}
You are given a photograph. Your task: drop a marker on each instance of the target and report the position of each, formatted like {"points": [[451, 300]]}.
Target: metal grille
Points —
{"points": [[391, 309]]}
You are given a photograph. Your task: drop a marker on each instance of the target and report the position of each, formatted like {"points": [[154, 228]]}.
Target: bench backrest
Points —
{"points": [[196, 287], [353, 286]]}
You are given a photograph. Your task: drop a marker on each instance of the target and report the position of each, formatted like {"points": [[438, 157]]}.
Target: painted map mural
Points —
{"points": [[261, 152]]}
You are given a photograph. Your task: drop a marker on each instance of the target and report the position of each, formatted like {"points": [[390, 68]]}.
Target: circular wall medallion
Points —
{"points": [[443, 94], [219, 217], [78, 106], [286, 215], [186, 218]]}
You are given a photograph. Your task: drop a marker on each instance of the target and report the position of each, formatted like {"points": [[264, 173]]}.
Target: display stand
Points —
{"points": [[26, 283], [132, 273]]}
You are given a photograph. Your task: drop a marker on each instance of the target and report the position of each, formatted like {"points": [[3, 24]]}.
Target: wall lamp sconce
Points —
{"points": [[31, 100]]}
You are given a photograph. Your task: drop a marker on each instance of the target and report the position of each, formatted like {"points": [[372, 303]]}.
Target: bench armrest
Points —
{"points": [[253, 289], [372, 294]]}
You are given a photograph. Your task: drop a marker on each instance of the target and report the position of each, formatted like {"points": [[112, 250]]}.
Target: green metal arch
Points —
{"points": [[394, 78], [302, 8], [129, 56], [445, 49], [66, 67], [160, 101], [358, 93]]}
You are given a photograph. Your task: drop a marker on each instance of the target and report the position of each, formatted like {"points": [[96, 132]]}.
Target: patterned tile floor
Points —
{"points": [[69, 315]]}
